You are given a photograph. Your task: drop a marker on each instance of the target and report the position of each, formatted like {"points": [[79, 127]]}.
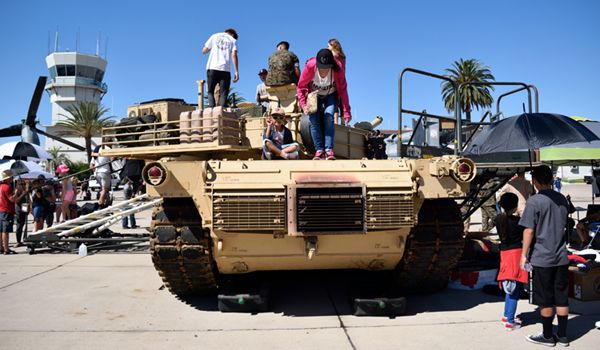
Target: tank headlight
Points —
{"points": [[154, 174]]}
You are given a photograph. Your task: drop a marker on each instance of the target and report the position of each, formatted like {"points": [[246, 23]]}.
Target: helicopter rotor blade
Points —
{"points": [[60, 139], [35, 101], [13, 130]]}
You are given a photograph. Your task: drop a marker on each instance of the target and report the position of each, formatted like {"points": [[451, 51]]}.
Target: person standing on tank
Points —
{"points": [[335, 47], [545, 253], [262, 98], [222, 51], [324, 76]]}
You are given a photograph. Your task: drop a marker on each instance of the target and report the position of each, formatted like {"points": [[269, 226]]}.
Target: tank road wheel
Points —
{"points": [[181, 250], [433, 248]]}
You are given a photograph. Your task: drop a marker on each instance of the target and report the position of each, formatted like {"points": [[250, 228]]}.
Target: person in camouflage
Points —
{"points": [[284, 66]]}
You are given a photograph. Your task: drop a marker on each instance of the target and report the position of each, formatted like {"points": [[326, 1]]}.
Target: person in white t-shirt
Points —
{"points": [[222, 50], [102, 168]]}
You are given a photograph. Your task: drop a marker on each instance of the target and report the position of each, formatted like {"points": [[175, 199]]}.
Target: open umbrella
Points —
{"points": [[529, 131], [578, 153], [23, 150], [24, 169]]}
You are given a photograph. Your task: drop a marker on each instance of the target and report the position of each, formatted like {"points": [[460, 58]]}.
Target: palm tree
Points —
{"points": [[86, 119], [233, 98], [478, 96], [57, 158]]}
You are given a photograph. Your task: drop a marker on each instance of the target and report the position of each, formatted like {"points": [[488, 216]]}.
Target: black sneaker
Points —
{"points": [[562, 341], [540, 339]]}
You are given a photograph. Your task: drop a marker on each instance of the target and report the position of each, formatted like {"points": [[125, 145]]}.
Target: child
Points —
{"points": [[278, 141], [511, 245]]}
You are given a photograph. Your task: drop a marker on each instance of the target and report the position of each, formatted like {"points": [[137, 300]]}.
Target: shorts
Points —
{"points": [[39, 212], [104, 180], [550, 286], [6, 222]]}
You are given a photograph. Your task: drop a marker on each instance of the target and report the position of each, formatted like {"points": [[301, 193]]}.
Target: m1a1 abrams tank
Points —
{"points": [[226, 211]]}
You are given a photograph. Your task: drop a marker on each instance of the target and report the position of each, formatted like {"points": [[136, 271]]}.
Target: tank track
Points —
{"points": [[181, 249], [433, 248]]}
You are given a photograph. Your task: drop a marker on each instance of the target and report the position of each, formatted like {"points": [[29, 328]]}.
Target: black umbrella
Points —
{"points": [[528, 131]]}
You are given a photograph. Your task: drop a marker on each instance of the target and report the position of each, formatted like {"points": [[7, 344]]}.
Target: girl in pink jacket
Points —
{"points": [[326, 76]]}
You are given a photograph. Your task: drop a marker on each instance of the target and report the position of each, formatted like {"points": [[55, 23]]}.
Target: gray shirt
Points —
{"points": [[546, 213]]}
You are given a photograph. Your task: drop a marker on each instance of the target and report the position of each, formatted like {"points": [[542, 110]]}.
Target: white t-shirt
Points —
{"points": [[323, 86], [220, 45]]}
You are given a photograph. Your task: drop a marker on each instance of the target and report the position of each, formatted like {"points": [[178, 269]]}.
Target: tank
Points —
{"points": [[226, 211]]}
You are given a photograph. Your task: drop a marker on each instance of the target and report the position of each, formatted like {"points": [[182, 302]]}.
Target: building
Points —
{"points": [[74, 77]]}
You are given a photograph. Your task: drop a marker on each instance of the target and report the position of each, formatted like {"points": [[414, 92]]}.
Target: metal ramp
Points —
{"points": [[91, 228]]}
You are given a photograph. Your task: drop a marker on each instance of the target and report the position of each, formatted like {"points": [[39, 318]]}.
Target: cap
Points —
{"points": [[262, 71], [62, 169], [278, 112], [325, 59], [6, 174]]}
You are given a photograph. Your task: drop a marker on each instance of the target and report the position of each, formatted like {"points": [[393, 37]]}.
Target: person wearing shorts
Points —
{"points": [[545, 249], [8, 198]]}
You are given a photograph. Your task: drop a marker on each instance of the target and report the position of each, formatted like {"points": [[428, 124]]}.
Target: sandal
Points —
{"points": [[10, 252]]}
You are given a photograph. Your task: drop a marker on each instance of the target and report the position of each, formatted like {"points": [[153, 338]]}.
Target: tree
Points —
{"points": [[478, 96], [86, 119], [57, 158]]}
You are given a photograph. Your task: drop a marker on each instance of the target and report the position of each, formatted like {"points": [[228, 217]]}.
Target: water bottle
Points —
{"points": [[82, 249]]}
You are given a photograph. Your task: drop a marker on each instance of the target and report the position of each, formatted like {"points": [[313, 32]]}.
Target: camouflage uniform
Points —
{"points": [[488, 214], [282, 68]]}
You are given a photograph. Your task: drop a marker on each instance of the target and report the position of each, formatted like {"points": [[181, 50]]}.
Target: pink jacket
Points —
{"points": [[339, 76]]}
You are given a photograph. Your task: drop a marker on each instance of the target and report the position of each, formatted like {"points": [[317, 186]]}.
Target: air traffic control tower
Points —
{"points": [[74, 77]]}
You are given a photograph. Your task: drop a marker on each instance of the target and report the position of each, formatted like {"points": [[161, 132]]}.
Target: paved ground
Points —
{"points": [[62, 301]]}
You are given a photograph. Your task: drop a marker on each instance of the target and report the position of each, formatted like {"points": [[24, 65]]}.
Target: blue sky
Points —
{"points": [[154, 48]]}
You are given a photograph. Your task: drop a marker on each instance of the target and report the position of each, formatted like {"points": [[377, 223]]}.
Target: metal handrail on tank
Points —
{"points": [[456, 118]]}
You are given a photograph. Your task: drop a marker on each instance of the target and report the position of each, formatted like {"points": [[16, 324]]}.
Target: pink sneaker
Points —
{"points": [[512, 326], [330, 155], [319, 155]]}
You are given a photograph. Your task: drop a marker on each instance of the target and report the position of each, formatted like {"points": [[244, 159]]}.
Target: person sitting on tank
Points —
{"points": [[321, 82], [284, 66], [278, 141]]}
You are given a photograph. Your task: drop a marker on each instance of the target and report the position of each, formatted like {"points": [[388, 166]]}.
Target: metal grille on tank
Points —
{"points": [[241, 212], [330, 210], [389, 211]]}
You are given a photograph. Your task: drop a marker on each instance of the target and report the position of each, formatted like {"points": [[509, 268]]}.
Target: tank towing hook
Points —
{"points": [[311, 247]]}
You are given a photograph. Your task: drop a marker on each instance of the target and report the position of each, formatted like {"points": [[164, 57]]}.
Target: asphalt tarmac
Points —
{"points": [[116, 300]]}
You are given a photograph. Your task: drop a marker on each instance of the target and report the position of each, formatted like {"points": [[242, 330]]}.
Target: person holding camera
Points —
{"points": [[8, 198], [22, 210], [278, 142]]}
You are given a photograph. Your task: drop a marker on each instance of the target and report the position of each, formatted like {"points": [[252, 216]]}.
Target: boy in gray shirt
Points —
{"points": [[545, 247]]}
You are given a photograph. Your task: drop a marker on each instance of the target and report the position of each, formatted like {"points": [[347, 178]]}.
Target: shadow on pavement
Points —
{"points": [[331, 292]]}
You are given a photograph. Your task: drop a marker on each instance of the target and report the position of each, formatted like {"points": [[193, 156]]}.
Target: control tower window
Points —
{"points": [[65, 70], [52, 72], [99, 75]]}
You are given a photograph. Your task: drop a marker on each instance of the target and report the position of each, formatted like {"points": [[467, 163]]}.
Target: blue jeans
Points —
{"points": [[131, 220], [326, 105], [510, 303]]}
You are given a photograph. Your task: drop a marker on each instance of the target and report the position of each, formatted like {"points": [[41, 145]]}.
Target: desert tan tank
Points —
{"points": [[227, 211]]}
